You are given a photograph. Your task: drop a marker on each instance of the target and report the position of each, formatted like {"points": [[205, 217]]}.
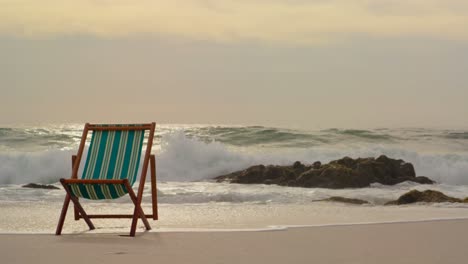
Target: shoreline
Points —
{"points": [[42, 217], [247, 229], [418, 242]]}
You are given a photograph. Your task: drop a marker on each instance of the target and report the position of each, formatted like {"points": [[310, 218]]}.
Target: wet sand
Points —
{"points": [[415, 242]]}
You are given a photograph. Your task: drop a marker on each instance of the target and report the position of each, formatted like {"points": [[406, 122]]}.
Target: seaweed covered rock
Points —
{"points": [[342, 173], [428, 196], [265, 174], [40, 186], [332, 176], [340, 199]]}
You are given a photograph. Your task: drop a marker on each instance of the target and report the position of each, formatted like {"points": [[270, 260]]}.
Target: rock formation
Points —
{"points": [[428, 196], [342, 173]]}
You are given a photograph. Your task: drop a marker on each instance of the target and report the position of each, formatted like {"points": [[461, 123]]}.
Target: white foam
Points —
{"points": [[184, 159], [195, 193], [24, 167]]}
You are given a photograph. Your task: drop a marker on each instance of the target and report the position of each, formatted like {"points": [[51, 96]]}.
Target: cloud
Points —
{"points": [[272, 21]]}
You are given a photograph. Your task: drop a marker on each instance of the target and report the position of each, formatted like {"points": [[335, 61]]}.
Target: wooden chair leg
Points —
{"points": [[78, 206], [76, 212], [154, 190], [140, 212], [75, 209], [137, 212], [82, 213], [134, 223], [63, 214]]}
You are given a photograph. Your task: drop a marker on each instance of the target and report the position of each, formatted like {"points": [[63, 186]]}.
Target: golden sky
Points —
{"points": [[306, 63], [276, 21]]}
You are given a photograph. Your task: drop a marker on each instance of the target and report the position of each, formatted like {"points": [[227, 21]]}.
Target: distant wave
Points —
{"points": [[457, 135], [257, 135], [37, 138], [366, 134], [68, 136]]}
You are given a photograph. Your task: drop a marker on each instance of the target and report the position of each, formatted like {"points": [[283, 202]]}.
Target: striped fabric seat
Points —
{"points": [[112, 155]]}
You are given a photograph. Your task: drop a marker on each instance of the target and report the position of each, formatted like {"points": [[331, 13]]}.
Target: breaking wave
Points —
{"points": [[182, 157]]}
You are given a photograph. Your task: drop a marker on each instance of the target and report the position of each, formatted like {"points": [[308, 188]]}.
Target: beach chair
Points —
{"points": [[110, 170]]}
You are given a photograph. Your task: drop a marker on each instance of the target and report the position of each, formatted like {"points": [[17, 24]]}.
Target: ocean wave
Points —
{"points": [[363, 134], [189, 159], [256, 135], [42, 167], [183, 158], [457, 135], [38, 138], [67, 137]]}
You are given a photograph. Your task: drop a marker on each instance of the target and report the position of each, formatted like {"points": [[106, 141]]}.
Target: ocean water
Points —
{"points": [[189, 156]]}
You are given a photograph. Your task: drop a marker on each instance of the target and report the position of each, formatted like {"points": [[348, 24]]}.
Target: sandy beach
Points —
{"points": [[416, 242], [318, 132]]}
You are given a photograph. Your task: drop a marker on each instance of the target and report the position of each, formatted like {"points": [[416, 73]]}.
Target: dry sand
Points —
{"points": [[417, 242]]}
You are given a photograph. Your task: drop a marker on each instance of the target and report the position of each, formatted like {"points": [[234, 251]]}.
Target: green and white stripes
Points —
{"points": [[98, 191], [111, 155]]}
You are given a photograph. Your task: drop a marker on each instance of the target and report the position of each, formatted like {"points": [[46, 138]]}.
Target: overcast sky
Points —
{"points": [[312, 64]]}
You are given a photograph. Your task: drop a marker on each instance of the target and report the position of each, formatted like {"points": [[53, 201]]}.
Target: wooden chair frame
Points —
{"points": [[149, 160]]}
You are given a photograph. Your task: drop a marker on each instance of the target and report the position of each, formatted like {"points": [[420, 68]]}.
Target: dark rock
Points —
{"points": [[298, 165], [40, 186], [422, 180], [428, 196], [334, 177], [342, 173], [345, 162], [280, 175], [344, 200], [298, 168], [316, 165]]}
